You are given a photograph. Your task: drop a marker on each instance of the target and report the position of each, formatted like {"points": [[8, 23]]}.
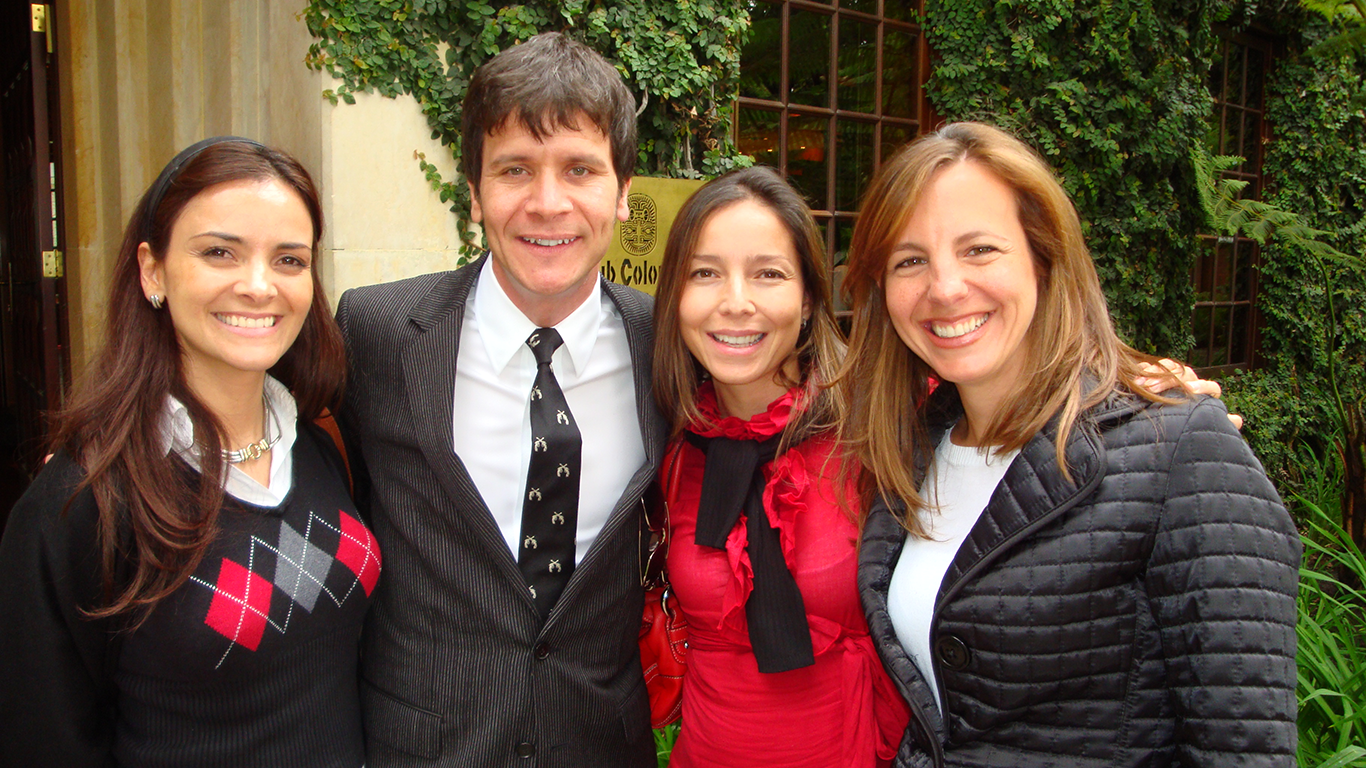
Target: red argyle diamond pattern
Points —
{"points": [[359, 551], [240, 609], [241, 604]]}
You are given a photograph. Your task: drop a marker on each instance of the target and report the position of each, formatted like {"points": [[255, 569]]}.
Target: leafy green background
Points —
{"points": [[681, 60]]}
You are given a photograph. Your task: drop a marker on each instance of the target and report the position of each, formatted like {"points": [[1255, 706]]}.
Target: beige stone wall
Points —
{"points": [[385, 222], [142, 79]]}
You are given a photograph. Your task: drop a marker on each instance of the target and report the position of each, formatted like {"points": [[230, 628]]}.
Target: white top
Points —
{"points": [[962, 482], [177, 434], [493, 380]]}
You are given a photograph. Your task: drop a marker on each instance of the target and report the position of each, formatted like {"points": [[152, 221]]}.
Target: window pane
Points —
{"points": [[854, 166], [1233, 141], [862, 6], [901, 10], [1200, 356], [806, 157], [760, 59], [1212, 131], [1204, 270], [1256, 64], [808, 62], [1218, 339], [857, 65], [894, 137], [1216, 72], [844, 231], [1234, 84], [898, 73], [1223, 272], [1238, 330], [844, 234], [1242, 276], [1251, 140], [759, 135]]}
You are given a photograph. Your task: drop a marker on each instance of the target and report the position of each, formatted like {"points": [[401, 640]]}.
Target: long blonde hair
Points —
{"points": [[1070, 340]]}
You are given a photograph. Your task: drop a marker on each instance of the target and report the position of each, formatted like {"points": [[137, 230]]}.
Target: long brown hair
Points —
{"points": [[155, 521], [820, 349], [1075, 358]]}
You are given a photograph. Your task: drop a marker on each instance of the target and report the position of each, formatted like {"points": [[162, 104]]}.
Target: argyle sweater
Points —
{"points": [[252, 662]]}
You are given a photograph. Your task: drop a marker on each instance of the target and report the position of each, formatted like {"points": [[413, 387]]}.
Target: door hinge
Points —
{"points": [[42, 21], [52, 264]]}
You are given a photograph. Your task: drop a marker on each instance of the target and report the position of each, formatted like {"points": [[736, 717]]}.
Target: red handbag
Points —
{"points": [[663, 631]]}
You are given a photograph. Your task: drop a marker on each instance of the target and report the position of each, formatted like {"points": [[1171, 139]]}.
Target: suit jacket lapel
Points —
{"points": [[639, 324], [429, 376]]}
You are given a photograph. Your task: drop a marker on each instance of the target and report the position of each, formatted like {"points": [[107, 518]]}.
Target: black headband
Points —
{"points": [[172, 170]]}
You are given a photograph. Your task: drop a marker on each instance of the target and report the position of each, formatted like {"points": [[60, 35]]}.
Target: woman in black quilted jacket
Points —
{"points": [[1059, 566]]}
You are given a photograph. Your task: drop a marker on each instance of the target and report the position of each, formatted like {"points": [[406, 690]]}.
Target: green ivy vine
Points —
{"points": [[681, 59], [1312, 390], [1113, 94]]}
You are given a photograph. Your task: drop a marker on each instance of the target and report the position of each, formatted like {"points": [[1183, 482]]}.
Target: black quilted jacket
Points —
{"points": [[1141, 615]]}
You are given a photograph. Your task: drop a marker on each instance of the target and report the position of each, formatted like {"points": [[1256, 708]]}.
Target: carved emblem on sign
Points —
{"points": [[640, 233]]}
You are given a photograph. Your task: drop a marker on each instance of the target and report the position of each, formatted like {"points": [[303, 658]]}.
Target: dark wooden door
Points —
{"points": [[33, 328]]}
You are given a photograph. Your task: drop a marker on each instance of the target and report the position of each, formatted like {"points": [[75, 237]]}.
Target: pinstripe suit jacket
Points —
{"points": [[457, 667]]}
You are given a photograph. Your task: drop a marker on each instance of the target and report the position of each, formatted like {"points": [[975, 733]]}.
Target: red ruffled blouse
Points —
{"points": [[841, 711]]}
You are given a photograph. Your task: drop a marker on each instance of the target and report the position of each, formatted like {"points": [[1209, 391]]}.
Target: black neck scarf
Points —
{"points": [[734, 480]]}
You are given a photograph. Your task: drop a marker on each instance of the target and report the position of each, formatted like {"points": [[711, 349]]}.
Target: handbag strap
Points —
{"points": [[673, 477], [656, 525]]}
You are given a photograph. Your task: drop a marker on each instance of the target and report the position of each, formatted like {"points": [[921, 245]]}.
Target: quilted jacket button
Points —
{"points": [[953, 653]]}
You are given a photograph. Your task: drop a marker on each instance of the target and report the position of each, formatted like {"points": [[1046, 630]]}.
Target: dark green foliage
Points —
{"points": [[1352, 36], [1332, 625], [680, 59], [1113, 94], [1317, 166], [665, 738]]}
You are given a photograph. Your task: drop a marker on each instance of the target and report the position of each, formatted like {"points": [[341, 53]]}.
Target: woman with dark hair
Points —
{"points": [[781, 670], [184, 582], [1059, 566]]}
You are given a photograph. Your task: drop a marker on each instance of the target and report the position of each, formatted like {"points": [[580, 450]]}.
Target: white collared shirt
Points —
{"points": [[493, 379], [177, 434]]}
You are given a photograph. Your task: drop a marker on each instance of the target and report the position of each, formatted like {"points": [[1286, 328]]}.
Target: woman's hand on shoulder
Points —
{"points": [[1187, 378]]}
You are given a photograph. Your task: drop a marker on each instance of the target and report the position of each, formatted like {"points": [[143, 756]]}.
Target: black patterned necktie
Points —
{"points": [[550, 509]]}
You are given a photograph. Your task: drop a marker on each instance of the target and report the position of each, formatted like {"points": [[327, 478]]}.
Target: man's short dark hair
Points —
{"points": [[545, 83]]}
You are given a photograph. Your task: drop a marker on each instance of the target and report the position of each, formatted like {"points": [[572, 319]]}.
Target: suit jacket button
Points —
{"points": [[541, 650], [953, 652], [526, 749]]}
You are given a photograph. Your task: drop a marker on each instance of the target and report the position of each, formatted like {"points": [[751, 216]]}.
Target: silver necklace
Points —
{"points": [[257, 449]]}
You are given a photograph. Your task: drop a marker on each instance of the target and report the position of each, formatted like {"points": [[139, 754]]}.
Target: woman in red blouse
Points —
{"points": [[781, 670]]}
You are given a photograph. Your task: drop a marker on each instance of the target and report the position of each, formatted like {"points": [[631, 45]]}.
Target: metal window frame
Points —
{"points": [[923, 116], [1247, 356]]}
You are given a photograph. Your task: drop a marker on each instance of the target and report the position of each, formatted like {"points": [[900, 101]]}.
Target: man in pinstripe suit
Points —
{"points": [[460, 668]]}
